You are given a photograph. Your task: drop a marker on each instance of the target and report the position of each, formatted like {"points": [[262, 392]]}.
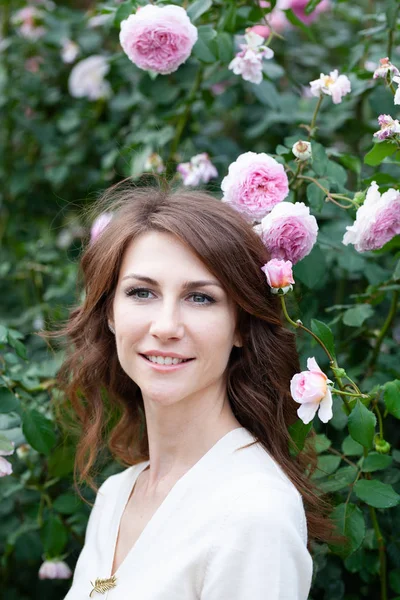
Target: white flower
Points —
{"points": [[389, 127], [333, 85], [199, 170], [248, 62], [69, 51], [154, 162], [302, 150], [385, 68], [397, 94], [87, 78]]}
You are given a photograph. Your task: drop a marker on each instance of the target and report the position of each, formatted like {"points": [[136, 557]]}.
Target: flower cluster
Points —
{"points": [[5, 465], [199, 170], [255, 183], [389, 128], [86, 79], [311, 390], [377, 220], [248, 62], [158, 38], [333, 85]]}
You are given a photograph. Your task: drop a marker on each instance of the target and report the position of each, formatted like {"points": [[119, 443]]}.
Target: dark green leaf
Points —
{"points": [[326, 465], [123, 11], [67, 504], [349, 521], [198, 8], [316, 196], [325, 335], [339, 480], [392, 397], [61, 461], [375, 462], [225, 46], [54, 536], [351, 448], [321, 443], [8, 401], [379, 152], [375, 493], [38, 431], [228, 21], [396, 273], [18, 346], [311, 269], [298, 433], [362, 424], [205, 47]]}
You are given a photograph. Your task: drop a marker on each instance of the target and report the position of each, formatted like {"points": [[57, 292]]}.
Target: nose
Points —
{"points": [[167, 322]]}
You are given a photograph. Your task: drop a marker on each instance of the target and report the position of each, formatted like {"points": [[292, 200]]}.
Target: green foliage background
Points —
{"points": [[58, 152]]}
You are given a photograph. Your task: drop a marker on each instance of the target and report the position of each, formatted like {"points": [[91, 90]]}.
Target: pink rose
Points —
{"points": [[310, 389], [333, 85], [261, 30], [289, 231], [54, 569], [99, 225], [298, 7], [255, 183], [158, 38], [389, 128], [386, 68], [279, 275], [377, 220]]}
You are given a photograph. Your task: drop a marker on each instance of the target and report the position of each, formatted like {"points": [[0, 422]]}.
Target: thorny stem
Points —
{"points": [[384, 330], [328, 195]]}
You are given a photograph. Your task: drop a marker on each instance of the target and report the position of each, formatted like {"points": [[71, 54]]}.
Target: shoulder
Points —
{"points": [[113, 484]]}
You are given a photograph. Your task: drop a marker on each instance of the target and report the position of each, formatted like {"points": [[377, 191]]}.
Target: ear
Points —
{"points": [[238, 341]]}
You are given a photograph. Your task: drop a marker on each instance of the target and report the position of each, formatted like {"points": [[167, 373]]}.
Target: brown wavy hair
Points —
{"points": [[108, 405]]}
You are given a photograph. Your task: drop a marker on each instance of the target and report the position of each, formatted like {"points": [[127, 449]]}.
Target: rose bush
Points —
{"points": [[78, 115]]}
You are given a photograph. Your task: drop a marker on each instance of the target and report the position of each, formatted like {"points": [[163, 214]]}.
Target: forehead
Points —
{"points": [[158, 254]]}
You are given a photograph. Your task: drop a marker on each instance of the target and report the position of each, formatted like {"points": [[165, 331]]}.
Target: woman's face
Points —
{"points": [[171, 315]]}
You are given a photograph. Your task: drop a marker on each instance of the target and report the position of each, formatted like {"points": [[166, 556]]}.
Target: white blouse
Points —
{"points": [[233, 527]]}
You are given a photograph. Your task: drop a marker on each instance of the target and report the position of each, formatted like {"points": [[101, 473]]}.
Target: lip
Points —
{"points": [[158, 367], [160, 353]]}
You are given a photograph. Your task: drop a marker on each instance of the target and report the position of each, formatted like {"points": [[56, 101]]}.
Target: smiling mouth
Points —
{"points": [[168, 361]]}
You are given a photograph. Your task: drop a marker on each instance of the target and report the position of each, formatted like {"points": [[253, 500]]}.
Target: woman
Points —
{"points": [[181, 365]]}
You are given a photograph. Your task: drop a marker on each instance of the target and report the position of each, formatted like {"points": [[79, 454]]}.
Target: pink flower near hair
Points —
{"points": [[98, 226], [289, 232], [199, 170], [333, 85], [54, 569], [279, 275], [255, 183], [377, 220], [158, 38], [311, 390]]}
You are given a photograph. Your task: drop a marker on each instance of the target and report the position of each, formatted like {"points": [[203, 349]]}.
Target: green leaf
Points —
{"points": [[54, 536], [205, 48], [320, 160], [61, 461], [198, 8], [5, 444], [38, 431], [375, 462], [349, 521], [3, 334], [311, 269], [351, 448], [362, 424], [321, 443], [311, 6], [396, 273], [267, 94], [18, 346], [325, 334], [326, 466], [375, 493], [355, 317], [228, 20], [123, 11], [298, 432], [379, 152], [67, 504], [225, 46], [8, 401], [316, 196], [391, 396], [294, 20], [339, 480]]}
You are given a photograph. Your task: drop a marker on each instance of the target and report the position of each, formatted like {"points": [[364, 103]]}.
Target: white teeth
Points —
{"points": [[165, 360]]}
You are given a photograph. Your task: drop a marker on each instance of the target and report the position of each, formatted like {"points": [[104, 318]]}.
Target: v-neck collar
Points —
{"points": [[230, 441]]}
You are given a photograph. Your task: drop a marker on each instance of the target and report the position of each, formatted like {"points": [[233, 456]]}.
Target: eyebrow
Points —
{"points": [[187, 285]]}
